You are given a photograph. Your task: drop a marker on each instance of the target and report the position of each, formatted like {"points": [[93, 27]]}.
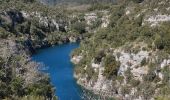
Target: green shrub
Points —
{"points": [[111, 66], [125, 90], [144, 62], [146, 89], [98, 56], [134, 82], [80, 27], [3, 34], [128, 75]]}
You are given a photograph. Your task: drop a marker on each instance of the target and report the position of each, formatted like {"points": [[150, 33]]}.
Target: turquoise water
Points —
{"points": [[57, 64]]}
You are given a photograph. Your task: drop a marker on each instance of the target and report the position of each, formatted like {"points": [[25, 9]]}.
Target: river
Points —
{"points": [[57, 64]]}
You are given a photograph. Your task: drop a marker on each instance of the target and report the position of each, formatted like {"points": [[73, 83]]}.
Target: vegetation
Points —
{"points": [[126, 31], [111, 66], [45, 26], [98, 44], [14, 85], [79, 27]]}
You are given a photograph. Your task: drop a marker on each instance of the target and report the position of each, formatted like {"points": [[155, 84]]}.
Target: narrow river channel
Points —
{"points": [[57, 64]]}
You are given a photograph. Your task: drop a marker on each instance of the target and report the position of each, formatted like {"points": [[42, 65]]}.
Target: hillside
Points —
{"points": [[25, 27], [130, 58], [124, 48]]}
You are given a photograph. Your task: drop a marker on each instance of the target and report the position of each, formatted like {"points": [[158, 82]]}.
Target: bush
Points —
{"points": [[80, 27], [159, 43], [96, 24], [90, 72], [143, 62], [146, 89], [125, 90], [98, 56], [111, 66], [3, 34], [17, 86], [150, 76], [134, 82], [128, 75]]}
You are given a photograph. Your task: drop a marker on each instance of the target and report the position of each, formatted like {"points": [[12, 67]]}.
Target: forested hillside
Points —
{"points": [[25, 26], [130, 58], [124, 48], [19, 76]]}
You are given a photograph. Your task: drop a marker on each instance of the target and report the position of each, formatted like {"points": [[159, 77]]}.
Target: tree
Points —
{"points": [[159, 42], [111, 66], [80, 27], [98, 56]]}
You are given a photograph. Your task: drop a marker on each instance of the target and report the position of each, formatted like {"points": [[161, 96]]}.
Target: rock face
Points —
{"points": [[131, 60], [72, 39], [155, 20], [37, 29], [13, 17], [144, 68], [91, 17], [105, 21], [54, 24], [133, 66], [76, 59]]}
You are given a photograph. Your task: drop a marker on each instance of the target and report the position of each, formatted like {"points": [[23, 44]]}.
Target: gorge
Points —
{"points": [[123, 50]]}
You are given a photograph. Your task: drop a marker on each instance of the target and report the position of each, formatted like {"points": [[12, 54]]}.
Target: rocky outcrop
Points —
{"points": [[132, 64], [92, 17], [47, 22], [157, 19], [76, 59]]}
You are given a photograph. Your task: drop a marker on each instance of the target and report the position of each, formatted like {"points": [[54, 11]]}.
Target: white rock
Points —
{"points": [[161, 76], [166, 62], [138, 72], [72, 39], [155, 20], [55, 23], [127, 12], [105, 21], [131, 60], [25, 15], [95, 65], [90, 17], [76, 59]]}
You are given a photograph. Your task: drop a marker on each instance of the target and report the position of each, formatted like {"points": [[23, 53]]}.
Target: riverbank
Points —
{"points": [[103, 94], [98, 92]]}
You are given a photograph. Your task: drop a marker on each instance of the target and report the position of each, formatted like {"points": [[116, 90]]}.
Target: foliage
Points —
{"points": [[144, 62], [111, 66], [134, 82], [124, 32], [79, 27], [97, 46], [98, 56], [99, 6]]}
